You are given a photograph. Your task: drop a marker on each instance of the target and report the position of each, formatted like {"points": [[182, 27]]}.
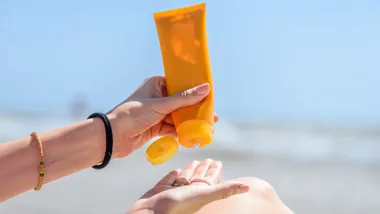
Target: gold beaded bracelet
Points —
{"points": [[42, 163]]}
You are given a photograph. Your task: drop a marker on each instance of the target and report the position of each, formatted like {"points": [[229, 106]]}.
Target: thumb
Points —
{"points": [[225, 190], [184, 98], [199, 197], [221, 191]]}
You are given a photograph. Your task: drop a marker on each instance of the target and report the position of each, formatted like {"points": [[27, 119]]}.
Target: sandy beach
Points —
{"points": [[314, 171], [313, 189]]}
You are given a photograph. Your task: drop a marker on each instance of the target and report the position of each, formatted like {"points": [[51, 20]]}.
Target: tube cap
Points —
{"points": [[195, 133], [161, 150]]}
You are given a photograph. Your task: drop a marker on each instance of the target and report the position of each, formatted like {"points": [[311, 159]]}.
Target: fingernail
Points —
{"points": [[242, 189], [218, 163], [203, 89]]}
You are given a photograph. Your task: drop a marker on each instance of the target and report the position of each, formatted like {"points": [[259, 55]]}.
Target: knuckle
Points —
{"points": [[157, 79], [152, 78], [184, 94], [146, 79]]}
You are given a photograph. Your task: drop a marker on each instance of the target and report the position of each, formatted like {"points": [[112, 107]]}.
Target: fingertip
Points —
{"points": [[176, 172], [242, 188], [170, 177], [219, 164], [208, 160]]}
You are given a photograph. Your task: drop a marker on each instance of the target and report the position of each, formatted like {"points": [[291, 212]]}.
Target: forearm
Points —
{"points": [[66, 150]]}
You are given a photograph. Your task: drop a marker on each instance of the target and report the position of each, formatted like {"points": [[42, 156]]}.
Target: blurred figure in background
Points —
{"points": [[78, 106]]}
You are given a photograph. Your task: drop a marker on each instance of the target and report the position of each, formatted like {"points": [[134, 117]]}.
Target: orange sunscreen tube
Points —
{"points": [[183, 42]]}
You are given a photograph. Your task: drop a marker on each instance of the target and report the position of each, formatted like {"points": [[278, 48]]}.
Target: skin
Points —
{"points": [[205, 194], [260, 199], [143, 115], [202, 188]]}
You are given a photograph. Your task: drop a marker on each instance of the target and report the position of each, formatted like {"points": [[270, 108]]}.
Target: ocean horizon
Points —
{"points": [[301, 142]]}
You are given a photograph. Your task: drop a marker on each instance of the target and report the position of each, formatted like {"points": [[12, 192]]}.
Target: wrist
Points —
{"points": [[141, 206], [121, 122], [120, 142], [117, 141], [152, 205]]}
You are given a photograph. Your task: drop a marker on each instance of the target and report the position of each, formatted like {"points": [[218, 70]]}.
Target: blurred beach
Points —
{"points": [[315, 169], [290, 61]]}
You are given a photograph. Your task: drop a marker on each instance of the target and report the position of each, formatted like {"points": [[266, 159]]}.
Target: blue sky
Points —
{"points": [[272, 60]]}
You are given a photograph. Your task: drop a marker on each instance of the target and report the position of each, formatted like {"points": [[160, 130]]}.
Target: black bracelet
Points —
{"points": [[109, 140]]}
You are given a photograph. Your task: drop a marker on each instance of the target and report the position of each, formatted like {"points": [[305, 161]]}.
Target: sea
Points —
{"points": [[298, 142]]}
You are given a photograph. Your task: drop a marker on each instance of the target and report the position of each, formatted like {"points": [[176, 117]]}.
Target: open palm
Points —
{"points": [[201, 186]]}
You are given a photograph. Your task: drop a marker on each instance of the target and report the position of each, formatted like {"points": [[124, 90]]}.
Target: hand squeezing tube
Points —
{"points": [[183, 42]]}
